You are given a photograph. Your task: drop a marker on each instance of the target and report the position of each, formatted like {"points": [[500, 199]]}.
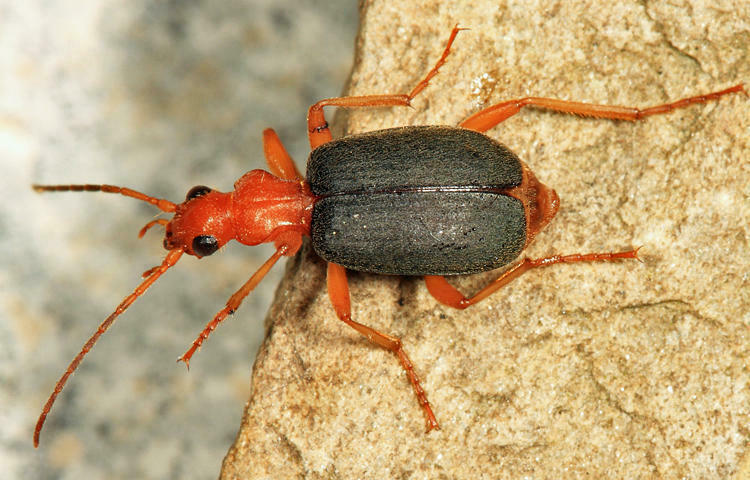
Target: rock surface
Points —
{"points": [[157, 96], [627, 370]]}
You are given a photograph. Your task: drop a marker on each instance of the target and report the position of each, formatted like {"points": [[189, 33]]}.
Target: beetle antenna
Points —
{"points": [[155, 273], [160, 203]]}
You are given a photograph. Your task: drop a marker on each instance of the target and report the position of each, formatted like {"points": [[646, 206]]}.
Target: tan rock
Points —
{"points": [[629, 370]]}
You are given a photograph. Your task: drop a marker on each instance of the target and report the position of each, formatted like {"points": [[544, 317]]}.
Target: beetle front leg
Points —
{"points": [[449, 295], [338, 292], [236, 299], [279, 161]]}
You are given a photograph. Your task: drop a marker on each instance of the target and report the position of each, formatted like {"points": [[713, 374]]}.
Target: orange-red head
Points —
{"points": [[202, 223]]}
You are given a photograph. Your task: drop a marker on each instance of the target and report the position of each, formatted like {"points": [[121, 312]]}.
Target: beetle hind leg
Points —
{"points": [[449, 295], [338, 291], [493, 115]]}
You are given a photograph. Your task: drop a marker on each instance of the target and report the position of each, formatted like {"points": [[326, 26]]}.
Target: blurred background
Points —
{"points": [[157, 96]]}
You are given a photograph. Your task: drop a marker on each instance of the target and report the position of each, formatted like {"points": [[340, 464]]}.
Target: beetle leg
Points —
{"points": [[338, 292], [278, 159], [234, 302], [487, 118], [447, 294], [317, 126]]}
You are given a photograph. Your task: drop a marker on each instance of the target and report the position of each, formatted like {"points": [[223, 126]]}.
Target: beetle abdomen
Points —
{"points": [[419, 233], [416, 201]]}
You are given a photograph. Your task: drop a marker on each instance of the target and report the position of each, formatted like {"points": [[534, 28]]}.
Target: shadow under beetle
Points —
{"points": [[420, 200]]}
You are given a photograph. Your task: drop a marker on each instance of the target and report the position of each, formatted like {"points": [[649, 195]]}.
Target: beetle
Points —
{"points": [[430, 201]]}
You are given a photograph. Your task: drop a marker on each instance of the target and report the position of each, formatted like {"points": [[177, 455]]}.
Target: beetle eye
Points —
{"points": [[205, 245], [197, 191]]}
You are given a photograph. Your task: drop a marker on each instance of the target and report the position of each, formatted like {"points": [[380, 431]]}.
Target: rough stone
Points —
{"points": [[626, 370]]}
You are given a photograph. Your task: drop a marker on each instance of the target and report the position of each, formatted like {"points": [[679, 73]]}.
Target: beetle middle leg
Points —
{"points": [[449, 295], [488, 117], [317, 126], [338, 292]]}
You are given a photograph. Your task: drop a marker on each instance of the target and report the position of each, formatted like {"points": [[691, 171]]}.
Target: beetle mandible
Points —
{"points": [[422, 200]]}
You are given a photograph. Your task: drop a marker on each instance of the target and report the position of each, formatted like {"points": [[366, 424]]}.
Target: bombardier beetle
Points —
{"points": [[430, 201]]}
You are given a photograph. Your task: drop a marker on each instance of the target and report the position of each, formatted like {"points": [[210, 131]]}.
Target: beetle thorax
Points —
{"points": [[264, 206]]}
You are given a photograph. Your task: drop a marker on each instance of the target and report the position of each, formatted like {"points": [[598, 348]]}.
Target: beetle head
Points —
{"points": [[201, 224]]}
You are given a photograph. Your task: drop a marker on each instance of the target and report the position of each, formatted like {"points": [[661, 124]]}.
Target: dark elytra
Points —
{"points": [[420, 200]]}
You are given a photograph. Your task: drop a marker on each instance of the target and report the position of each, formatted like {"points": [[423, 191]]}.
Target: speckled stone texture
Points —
{"points": [[628, 370], [158, 96]]}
